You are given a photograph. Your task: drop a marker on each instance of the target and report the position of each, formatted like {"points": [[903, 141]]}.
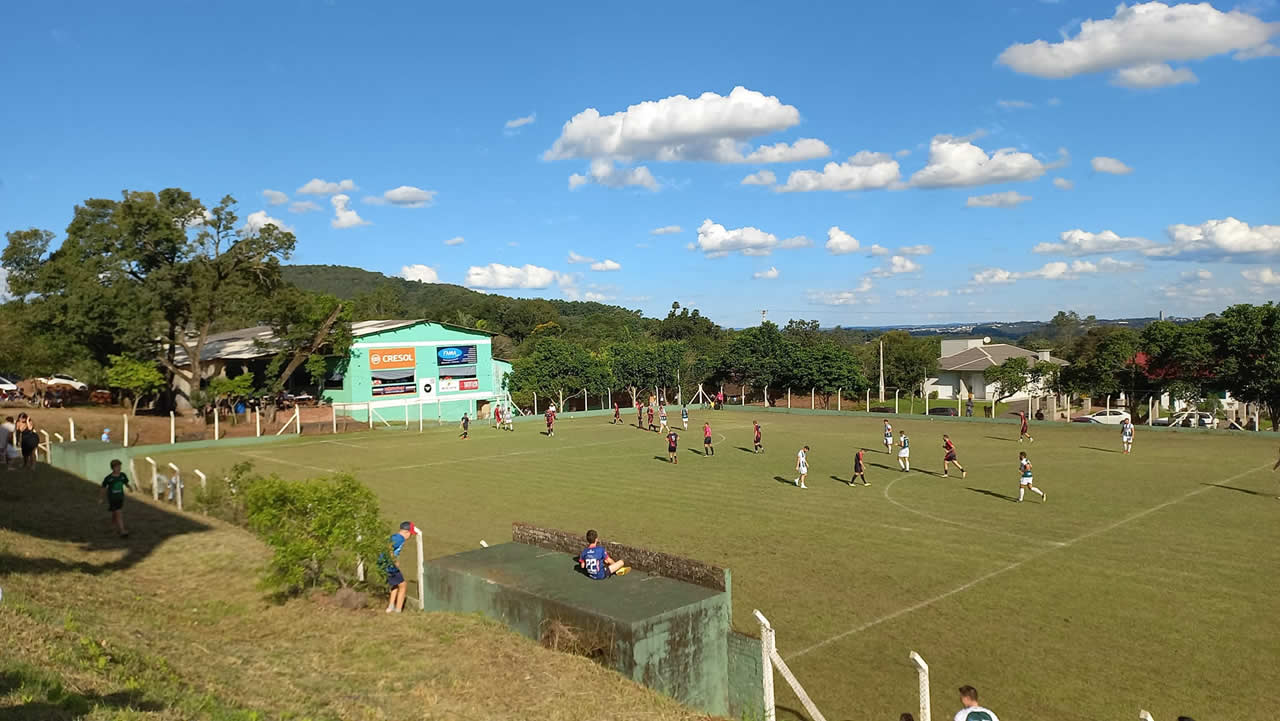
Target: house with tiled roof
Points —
{"points": [[962, 362]]}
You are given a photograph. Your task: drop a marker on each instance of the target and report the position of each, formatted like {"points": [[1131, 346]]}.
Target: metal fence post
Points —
{"points": [[922, 669], [766, 659]]}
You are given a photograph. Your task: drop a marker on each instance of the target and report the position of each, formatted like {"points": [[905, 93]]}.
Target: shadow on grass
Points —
{"points": [[993, 494], [745, 450], [664, 459], [786, 481], [1000, 438], [1100, 450], [1233, 488], [54, 505], [694, 451], [50, 700]]}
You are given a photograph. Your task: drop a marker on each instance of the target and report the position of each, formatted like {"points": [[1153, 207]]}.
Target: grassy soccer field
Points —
{"points": [[1150, 580]]}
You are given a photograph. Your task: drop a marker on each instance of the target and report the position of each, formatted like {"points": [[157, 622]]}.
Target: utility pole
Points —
{"points": [[763, 315], [882, 371]]}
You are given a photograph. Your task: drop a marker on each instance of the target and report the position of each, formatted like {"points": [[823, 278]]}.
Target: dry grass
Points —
{"points": [[168, 624]]}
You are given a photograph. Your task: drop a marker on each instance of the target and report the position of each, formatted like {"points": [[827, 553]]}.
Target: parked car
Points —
{"points": [[1085, 419], [1198, 419], [943, 411], [63, 380], [7, 386], [1112, 417]]}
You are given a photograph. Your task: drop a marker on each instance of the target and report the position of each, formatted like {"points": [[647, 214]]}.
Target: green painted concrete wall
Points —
{"points": [[746, 674]]}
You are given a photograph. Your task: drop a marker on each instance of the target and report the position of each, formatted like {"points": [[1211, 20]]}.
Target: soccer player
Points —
{"points": [[551, 421], [672, 439], [707, 448], [508, 418], [497, 416], [466, 426], [617, 414], [1025, 432], [888, 437], [802, 467], [949, 457], [972, 711], [113, 488], [1126, 435], [760, 447], [859, 468], [662, 419], [395, 579], [684, 415], [904, 452], [1025, 482], [639, 415], [651, 426], [595, 562]]}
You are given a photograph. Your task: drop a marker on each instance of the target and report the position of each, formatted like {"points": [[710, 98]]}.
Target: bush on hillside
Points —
{"points": [[224, 498]]}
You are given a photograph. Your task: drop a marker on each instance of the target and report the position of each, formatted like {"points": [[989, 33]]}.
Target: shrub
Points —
{"points": [[224, 498]]}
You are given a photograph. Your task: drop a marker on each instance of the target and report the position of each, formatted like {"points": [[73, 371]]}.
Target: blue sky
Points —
{"points": [[988, 161]]}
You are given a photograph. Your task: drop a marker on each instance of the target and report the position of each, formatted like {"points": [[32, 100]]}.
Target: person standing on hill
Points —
{"points": [[113, 488]]}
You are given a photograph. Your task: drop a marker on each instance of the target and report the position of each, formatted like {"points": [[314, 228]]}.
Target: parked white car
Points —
{"points": [[64, 380], [7, 386], [1113, 417], [1198, 419]]}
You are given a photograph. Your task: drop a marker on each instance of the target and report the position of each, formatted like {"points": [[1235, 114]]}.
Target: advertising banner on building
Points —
{"points": [[456, 355], [393, 371]]}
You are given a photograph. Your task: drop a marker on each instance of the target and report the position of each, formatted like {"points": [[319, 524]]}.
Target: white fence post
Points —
{"points": [[766, 665], [896, 391], [335, 418], [155, 488], [868, 408], [72, 422], [59, 437], [173, 429], [217, 419], [839, 398], [369, 408], [788, 396], [126, 429], [176, 484], [419, 419], [297, 419], [922, 669], [133, 473], [1144, 715], [204, 481], [812, 398], [422, 589], [782, 668], [257, 422], [48, 448]]}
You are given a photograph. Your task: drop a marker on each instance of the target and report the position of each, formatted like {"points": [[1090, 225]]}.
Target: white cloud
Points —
{"points": [[957, 162], [764, 177], [717, 241], [897, 265], [1055, 102], [606, 265], [842, 297], [769, 274], [1194, 275], [1081, 242], [1265, 276], [521, 122], [878, 249], [864, 171], [914, 250], [421, 273], [405, 196], [597, 297], [497, 275], [840, 242], [1057, 270], [1224, 239], [906, 292], [275, 197], [709, 127], [1014, 104], [1152, 75], [603, 172], [303, 206], [796, 241], [1063, 184], [1103, 164], [802, 149], [316, 186], [667, 230], [1007, 199], [455, 240], [575, 258], [343, 215], [939, 293], [1141, 35], [903, 153], [256, 220]]}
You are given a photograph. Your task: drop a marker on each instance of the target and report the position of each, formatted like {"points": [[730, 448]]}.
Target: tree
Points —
{"points": [[308, 327], [1019, 373], [137, 378], [756, 356], [908, 361], [557, 365], [631, 365], [1177, 359], [1246, 339], [826, 368]]}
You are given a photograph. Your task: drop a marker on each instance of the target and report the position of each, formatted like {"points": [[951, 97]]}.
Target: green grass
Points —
{"points": [[1149, 580]]}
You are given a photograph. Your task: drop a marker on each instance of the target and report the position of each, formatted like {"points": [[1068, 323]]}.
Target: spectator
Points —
{"points": [[595, 561], [395, 579], [972, 711], [113, 488], [968, 406], [28, 440]]}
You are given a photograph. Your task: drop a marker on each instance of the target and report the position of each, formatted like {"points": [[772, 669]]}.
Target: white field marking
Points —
{"points": [[284, 462], [1017, 564], [349, 445], [940, 519], [549, 449], [548, 553]]}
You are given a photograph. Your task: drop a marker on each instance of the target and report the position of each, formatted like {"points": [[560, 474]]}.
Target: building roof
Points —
{"points": [[983, 357], [260, 341]]}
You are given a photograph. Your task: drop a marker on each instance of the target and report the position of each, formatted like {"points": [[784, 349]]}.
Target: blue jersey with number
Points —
{"points": [[593, 562]]}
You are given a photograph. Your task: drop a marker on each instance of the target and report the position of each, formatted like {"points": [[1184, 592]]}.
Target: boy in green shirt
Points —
{"points": [[113, 488]]}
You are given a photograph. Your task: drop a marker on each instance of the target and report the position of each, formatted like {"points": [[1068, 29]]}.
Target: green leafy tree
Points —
{"points": [[631, 365], [308, 327], [756, 356], [908, 360], [555, 366], [1019, 374], [1247, 342], [138, 379]]}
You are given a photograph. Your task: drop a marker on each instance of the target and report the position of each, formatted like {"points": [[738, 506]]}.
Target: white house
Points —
{"points": [[962, 362]]}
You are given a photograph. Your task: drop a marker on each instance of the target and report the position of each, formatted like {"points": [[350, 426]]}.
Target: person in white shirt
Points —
{"points": [[972, 711], [1126, 435], [904, 453], [888, 437], [802, 467]]}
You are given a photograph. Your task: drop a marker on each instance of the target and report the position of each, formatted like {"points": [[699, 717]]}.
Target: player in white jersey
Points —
{"points": [[972, 711], [684, 416], [507, 417], [888, 437], [904, 452], [1025, 482], [1126, 435], [802, 467], [663, 428]]}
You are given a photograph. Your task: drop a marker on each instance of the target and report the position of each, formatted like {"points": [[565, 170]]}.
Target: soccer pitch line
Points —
{"points": [[1017, 564], [269, 459]]}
